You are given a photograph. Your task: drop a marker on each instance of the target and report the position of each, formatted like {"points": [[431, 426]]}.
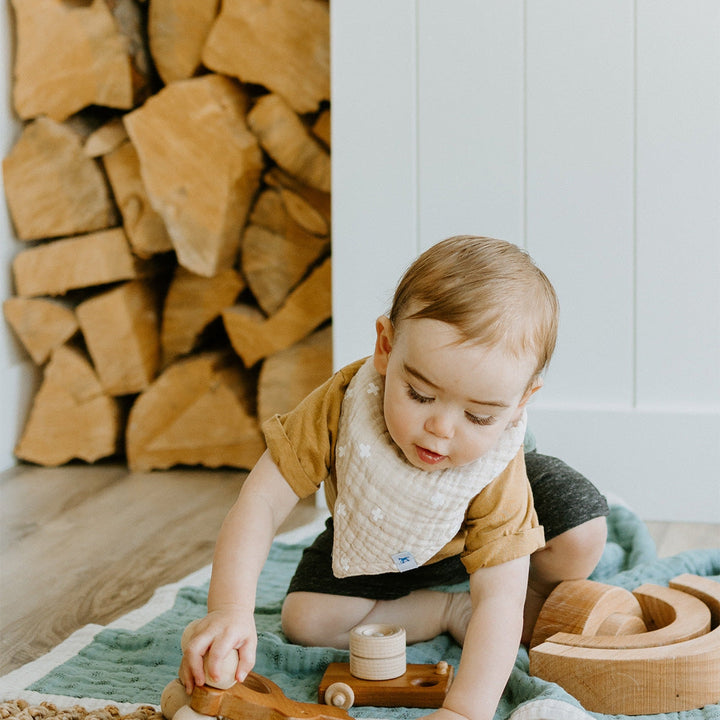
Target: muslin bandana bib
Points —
{"points": [[390, 516]]}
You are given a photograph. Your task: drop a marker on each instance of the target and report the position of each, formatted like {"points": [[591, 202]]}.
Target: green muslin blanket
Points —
{"points": [[133, 665]]}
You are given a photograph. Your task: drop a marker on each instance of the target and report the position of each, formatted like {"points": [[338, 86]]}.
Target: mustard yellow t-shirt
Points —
{"points": [[500, 522]]}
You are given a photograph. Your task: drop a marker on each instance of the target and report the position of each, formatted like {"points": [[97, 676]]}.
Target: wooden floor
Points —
{"points": [[85, 544]]}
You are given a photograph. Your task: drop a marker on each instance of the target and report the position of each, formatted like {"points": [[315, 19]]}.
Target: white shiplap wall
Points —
{"points": [[588, 133]]}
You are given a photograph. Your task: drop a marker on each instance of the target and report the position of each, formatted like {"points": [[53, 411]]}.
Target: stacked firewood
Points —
{"points": [[172, 183]]}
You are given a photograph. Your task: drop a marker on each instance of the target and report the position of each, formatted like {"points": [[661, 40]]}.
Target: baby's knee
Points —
{"points": [[299, 621], [585, 544], [322, 619], [572, 555]]}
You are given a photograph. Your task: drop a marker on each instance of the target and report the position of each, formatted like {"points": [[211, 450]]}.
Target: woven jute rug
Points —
{"points": [[21, 710]]}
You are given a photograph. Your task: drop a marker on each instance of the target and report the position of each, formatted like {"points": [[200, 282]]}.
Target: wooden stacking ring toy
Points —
{"points": [[377, 652], [655, 650]]}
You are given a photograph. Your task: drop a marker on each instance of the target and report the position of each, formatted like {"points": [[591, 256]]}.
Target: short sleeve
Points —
{"points": [[302, 442], [501, 523]]}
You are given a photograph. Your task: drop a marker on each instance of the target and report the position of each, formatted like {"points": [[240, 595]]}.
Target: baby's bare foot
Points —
{"points": [[457, 613]]}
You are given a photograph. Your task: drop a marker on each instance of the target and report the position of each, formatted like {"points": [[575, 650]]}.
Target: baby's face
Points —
{"points": [[446, 404]]}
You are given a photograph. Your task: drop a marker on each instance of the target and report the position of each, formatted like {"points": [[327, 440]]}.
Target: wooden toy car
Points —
{"points": [[422, 686], [257, 698]]}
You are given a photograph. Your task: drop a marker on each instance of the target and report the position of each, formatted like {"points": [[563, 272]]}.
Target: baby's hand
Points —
{"points": [[218, 649]]}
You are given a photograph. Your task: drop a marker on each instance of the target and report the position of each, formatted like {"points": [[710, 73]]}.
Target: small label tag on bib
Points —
{"points": [[404, 561]]}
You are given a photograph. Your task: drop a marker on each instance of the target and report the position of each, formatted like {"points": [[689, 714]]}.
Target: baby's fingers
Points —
{"points": [[246, 657], [194, 649], [186, 676]]}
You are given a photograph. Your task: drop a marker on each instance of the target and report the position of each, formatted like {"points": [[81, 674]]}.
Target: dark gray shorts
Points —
{"points": [[563, 500]]}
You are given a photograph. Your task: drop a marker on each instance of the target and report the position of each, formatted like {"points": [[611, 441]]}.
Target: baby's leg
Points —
{"points": [[572, 511], [571, 555], [310, 618]]}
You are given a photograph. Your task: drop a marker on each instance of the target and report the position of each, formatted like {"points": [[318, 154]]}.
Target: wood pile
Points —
{"points": [[171, 182]]}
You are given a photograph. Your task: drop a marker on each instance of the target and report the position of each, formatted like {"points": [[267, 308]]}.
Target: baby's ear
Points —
{"points": [[535, 384], [383, 343]]}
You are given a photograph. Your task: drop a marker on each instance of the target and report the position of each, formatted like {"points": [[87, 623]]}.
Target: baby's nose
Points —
{"points": [[439, 424]]}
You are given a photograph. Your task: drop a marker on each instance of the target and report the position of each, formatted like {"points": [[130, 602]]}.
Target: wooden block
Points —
{"points": [[258, 698], [41, 324], [637, 678], [56, 267], [281, 44], [286, 377], [200, 166], [177, 30], [191, 303], [71, 415], [274, 264], [580, 607], [671, 615], [422, 686], [121, 330], [68, 56], [143, 226], [197, 412], [702, 588], [308, 306], [52, 187], [289, 143], [622, 624]]}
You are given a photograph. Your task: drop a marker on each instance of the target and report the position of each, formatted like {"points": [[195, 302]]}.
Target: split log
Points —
{"points": [[307, 307], [308, 207], [144, 227], [281, 44], [200, 165], [52, 187], [106, 138], [71, 416], [130, 19], [61, 265], [274, 264], [321, 128], [197, 412], [121, 331], [68, 56], [269, 212], [191, 304], [288, 142], [273, 211], [41, 324], [289, 375], [177, 30]]}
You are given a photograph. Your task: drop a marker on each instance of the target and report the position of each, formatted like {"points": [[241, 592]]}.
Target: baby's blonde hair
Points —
{"points": [[490, 290]]}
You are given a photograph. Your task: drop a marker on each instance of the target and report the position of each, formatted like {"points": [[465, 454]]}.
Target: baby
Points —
{"points": [[421, 449]]}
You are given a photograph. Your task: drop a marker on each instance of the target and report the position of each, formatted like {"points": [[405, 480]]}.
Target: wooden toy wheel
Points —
{"points": [[340, 695], [173, 698]]}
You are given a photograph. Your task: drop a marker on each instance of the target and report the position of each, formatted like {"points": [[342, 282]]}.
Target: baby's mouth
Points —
{"points": [[428, 456]]}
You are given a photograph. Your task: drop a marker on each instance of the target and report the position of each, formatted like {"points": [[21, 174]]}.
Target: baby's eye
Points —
{"points": [[415, 395], [480, 419]]}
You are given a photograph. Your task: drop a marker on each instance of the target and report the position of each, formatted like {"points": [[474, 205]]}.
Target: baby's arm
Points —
{"points": [[265, 500], [491, 642]]}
